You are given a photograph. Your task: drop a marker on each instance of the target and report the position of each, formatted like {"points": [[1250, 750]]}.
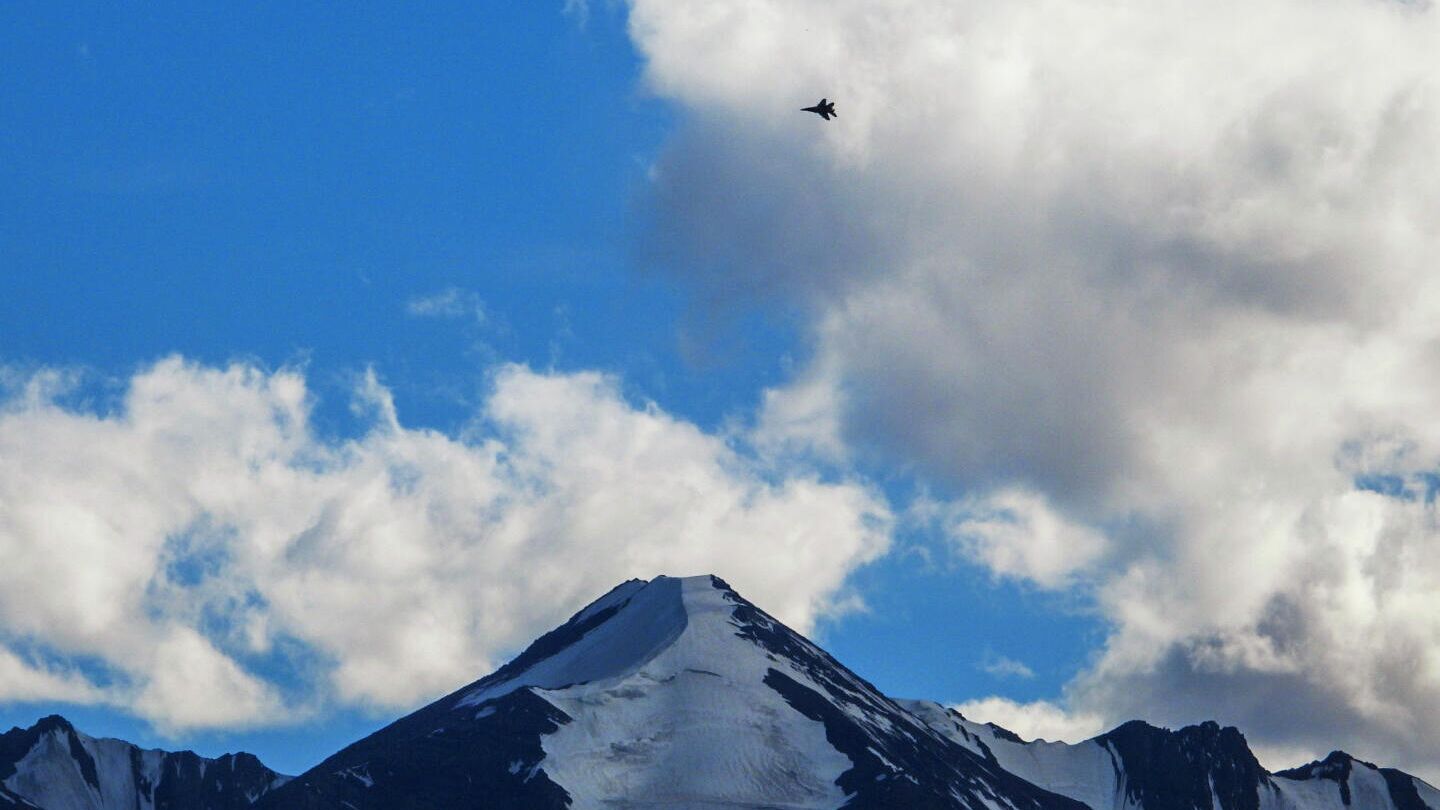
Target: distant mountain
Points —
{"points": [[678, 693], [1357, 784], [52, 766], [1202, 767]]}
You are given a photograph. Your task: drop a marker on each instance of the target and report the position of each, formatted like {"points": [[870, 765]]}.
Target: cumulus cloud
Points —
{"points": [[1015, 533], [1038, 720], [1149, 288], [197, 554]]}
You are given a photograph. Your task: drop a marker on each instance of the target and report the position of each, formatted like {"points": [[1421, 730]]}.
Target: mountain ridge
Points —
{"points": [[1201, 766], [678, 692], [53, 766]]}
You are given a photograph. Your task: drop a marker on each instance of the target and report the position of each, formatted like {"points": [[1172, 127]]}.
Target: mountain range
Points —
{"points": [[53, 766], [679, 693]]}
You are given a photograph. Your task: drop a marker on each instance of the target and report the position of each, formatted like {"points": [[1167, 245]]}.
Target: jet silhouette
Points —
{"points": [[825, 109]]}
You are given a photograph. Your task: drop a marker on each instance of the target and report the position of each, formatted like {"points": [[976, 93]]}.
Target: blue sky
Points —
{"points": [[280, 185], [288, 188]]}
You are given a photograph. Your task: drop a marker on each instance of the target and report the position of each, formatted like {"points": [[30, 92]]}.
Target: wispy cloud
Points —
{"points": [[451, 302], [1002, 667], [578, 11]]}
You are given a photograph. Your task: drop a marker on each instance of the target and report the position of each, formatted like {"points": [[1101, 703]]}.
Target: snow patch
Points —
{"points": [[360, 773]]}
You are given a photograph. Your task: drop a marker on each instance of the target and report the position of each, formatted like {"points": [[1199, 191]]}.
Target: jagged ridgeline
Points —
{"points": [[679, 693], [53, 766]]}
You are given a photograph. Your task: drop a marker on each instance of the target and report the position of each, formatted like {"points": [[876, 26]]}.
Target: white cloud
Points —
{"points": [[801, 419], [24, 681], [1002, 667], [191, 683], [1015, 533], [1162, 270], [1038, 720], [185, 538]]}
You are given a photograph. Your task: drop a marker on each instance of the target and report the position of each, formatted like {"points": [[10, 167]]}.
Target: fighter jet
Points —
{"points": [[825, 109]]}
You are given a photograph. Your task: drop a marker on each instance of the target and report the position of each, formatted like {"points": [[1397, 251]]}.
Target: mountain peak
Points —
{"points": [[613, 636], [52, 722], [670, 692], [1336, 766], [1357, 783]]}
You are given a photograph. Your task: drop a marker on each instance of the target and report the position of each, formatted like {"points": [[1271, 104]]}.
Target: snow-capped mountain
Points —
{"points": [[671, 693], [1140, 767], [52, 766], [678, 693]]}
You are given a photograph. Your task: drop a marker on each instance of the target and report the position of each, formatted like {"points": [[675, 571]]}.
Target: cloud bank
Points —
{"points": [[199, 555], [1149, 289]]}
